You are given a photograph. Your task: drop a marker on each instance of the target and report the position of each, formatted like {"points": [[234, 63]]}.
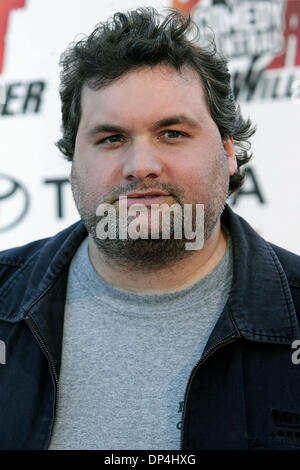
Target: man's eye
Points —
{"points": [[112, 139], [174, 134]]}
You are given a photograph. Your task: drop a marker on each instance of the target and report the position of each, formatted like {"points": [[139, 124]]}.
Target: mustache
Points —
{"points": [[117, 191]]}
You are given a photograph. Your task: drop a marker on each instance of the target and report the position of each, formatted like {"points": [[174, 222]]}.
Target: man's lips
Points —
{"points": [[145, 198]]}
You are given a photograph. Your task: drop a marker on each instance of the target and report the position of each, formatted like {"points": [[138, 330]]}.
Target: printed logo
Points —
{"points": [[2, 92], [287, 424], [260, 38], [180, 410], [5, 7], [14, 202]]}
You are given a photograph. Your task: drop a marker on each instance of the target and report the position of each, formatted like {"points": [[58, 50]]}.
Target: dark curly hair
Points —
{"points": [[130, 40]]}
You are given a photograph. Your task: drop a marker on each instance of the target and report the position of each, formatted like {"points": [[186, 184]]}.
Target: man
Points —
{"points": [[137, 342]]}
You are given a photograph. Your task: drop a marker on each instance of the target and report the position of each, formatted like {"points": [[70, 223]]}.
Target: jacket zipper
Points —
{"points": [[228, 339], [41, 341]]}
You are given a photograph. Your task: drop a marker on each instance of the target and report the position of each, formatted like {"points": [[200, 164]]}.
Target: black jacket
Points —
{"points": [[242, 394]]}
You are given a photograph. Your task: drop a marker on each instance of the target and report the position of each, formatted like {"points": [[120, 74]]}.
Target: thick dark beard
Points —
{"points": [[149, 254], [143, 254]]}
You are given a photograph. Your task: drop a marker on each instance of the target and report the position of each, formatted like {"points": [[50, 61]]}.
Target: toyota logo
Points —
{"points": [[14, 202]]}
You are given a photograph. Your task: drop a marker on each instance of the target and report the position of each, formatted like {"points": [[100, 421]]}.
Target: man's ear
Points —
{"points": [[228, 145]]}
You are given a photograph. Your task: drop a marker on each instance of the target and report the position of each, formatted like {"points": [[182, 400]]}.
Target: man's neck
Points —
{"points": [[183, 274]]}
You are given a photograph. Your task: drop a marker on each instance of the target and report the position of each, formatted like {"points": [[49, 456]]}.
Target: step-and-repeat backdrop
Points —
{"points": [[261, 39]]}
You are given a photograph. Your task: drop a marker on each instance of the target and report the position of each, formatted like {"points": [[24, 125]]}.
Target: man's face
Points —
{"points": [[123, 147]]}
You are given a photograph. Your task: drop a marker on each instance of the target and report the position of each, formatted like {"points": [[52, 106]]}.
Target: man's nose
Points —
{"points": [[142, 161]]}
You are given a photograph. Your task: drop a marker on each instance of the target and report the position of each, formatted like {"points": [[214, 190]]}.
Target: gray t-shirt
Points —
{"points": [[127, 357]]}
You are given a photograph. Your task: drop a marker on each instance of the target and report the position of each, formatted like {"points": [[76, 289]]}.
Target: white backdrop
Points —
{"points": [[37, 33]]}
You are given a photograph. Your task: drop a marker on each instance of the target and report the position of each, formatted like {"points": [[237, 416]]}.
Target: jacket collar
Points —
{"points": [[260, 300], [260, 306], [40, 264]]}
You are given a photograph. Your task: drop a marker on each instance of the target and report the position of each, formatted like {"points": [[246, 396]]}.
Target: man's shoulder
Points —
{"points": [[18, 255], [14, 259], [261, 248], [266, 259], [290, 262]]}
